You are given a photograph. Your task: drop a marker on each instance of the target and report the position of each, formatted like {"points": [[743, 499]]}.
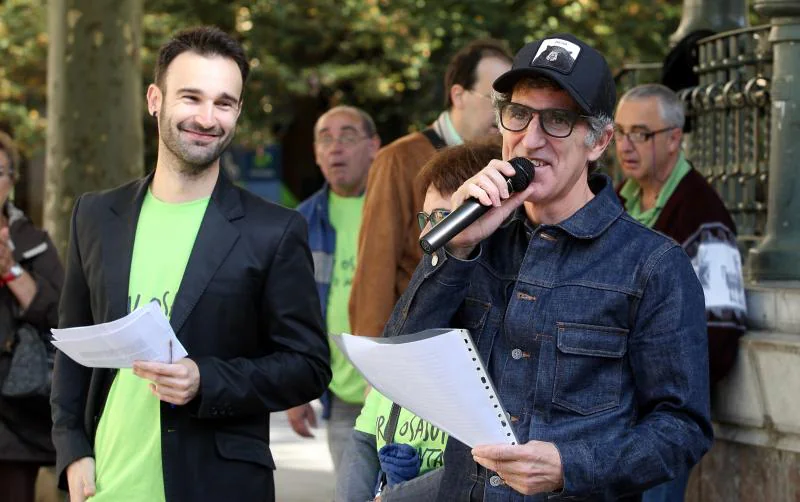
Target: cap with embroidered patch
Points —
{"points": [[578, 68]]}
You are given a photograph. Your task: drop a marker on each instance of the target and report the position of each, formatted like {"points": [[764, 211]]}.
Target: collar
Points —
{"points": [[446, 130], [631, 191], [590, 221], [225, 196], [13, 213]]}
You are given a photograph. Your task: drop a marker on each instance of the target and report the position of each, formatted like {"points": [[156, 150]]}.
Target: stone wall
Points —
{"points": [[756, 457]]}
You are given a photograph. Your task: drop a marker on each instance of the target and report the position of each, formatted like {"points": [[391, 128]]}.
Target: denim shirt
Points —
{"points": [[594, 334], [321, 240]]}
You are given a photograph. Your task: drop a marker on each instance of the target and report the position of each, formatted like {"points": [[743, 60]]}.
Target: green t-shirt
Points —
{"points": [[412, 430], [345, 217], [632, 193], [128, 440]]}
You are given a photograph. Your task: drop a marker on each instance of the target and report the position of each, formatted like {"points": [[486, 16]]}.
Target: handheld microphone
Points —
{"points": [[471, 209]]}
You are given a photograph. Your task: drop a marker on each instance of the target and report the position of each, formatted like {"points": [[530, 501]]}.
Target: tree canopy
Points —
{"points": [[387, 56]]}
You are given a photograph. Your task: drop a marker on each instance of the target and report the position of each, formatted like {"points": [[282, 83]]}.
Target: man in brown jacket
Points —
{"points": [[388, 247]]}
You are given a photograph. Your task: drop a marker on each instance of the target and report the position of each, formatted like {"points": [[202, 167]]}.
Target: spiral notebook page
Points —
{"points": [[437, 375]]}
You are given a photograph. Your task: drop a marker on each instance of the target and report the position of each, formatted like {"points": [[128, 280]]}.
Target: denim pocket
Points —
{"points": [[588, 376], [473, 315]]}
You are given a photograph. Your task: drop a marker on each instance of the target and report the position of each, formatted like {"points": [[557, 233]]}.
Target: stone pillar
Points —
{"points": [[777, 258], [716, 15]]}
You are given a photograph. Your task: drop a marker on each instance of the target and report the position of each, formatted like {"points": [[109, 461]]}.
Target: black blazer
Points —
{"points": [[247, 312]]}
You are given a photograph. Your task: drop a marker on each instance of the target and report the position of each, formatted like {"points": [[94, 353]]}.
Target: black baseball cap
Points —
{"points": [[578, 68]]}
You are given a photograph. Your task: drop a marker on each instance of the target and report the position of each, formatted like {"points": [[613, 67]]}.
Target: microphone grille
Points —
{"points": [[524, 173]]}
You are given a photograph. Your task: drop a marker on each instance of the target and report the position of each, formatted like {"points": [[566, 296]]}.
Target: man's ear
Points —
{"points": [[602, 143], [374, 146], [674, 141], [154, 99], [457, 95]]}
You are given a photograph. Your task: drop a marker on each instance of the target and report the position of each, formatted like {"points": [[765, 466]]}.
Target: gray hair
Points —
{"points": [[597, 123], [670, 105], [366, 121]]}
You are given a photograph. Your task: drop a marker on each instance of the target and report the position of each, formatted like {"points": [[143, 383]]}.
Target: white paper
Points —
{"points": [[719, 268], [437, 375], [143, 335]]}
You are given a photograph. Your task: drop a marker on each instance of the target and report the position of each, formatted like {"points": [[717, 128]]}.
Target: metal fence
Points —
{"points": [[730, 117], [730, 114]]}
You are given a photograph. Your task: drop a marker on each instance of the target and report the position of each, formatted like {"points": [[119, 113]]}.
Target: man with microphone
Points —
{"points": [[591, 325]]}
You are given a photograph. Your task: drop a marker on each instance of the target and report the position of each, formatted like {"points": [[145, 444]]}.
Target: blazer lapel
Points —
{"points": [[119, 231], [214, 242]]}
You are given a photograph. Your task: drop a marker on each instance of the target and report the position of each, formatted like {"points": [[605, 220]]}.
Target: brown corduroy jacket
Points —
{"points": [[388, 243]]}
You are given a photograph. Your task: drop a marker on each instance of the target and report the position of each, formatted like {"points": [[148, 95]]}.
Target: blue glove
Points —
{"points": [[400, 462]]}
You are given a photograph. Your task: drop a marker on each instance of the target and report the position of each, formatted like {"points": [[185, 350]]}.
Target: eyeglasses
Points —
{"points": [[638, 136], [554, 122], [487, 96], [436, 217], [346, 139]]}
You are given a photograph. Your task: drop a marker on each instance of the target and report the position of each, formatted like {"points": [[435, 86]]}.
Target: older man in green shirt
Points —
{"points": [[664, 192], [345, 144]]}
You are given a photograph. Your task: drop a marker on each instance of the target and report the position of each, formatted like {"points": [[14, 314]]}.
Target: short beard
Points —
{"points": [[188, 164]]}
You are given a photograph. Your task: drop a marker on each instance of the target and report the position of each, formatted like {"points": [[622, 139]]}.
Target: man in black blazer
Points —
{"points": [[234, 275]]}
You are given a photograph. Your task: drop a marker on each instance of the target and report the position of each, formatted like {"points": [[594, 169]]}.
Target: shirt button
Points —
{"points": [[495, 480], [516, 354], [435, 260]]}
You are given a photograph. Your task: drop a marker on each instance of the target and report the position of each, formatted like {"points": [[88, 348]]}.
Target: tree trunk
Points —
{"points": [[94, 87]]}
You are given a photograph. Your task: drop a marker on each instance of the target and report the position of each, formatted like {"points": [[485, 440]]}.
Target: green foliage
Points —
{"points": [[23, 71], [387, 56]]}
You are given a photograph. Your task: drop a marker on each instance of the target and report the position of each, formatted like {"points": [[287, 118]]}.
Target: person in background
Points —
{"points": [[31, 276], [388, 250], [345, 144], [365, 459], [664, 192]]}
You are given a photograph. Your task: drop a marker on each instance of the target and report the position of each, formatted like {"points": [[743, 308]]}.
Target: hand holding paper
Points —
{"points": [[143, 335], [438, 375], [176, 383]]}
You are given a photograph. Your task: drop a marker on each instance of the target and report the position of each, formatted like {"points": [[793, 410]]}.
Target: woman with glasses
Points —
{"points": [[390, 443], [30, 283]]}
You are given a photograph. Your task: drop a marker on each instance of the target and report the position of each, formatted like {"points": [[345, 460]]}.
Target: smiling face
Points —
{"points": [[198, 109], [560, 184], [344, 152]]}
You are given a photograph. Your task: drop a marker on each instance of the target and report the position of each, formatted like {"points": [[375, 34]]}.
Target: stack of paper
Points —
{"points": [[143, 335], [437, 375]]}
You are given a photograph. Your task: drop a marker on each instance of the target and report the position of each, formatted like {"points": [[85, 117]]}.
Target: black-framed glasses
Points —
{"points": [[436, 216], [638, 136], [556, 122], [346, 139]]}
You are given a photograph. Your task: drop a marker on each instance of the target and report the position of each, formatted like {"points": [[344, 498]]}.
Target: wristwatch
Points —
{"points": [[13, 273]]}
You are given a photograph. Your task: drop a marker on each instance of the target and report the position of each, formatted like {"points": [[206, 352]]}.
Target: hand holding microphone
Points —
{"points": [[494, 184]]}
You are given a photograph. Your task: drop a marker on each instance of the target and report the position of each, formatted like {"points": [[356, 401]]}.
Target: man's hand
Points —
{"points": [[176, 383], [488, 187], [530, 468], [301, 418], [80, 479]]}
